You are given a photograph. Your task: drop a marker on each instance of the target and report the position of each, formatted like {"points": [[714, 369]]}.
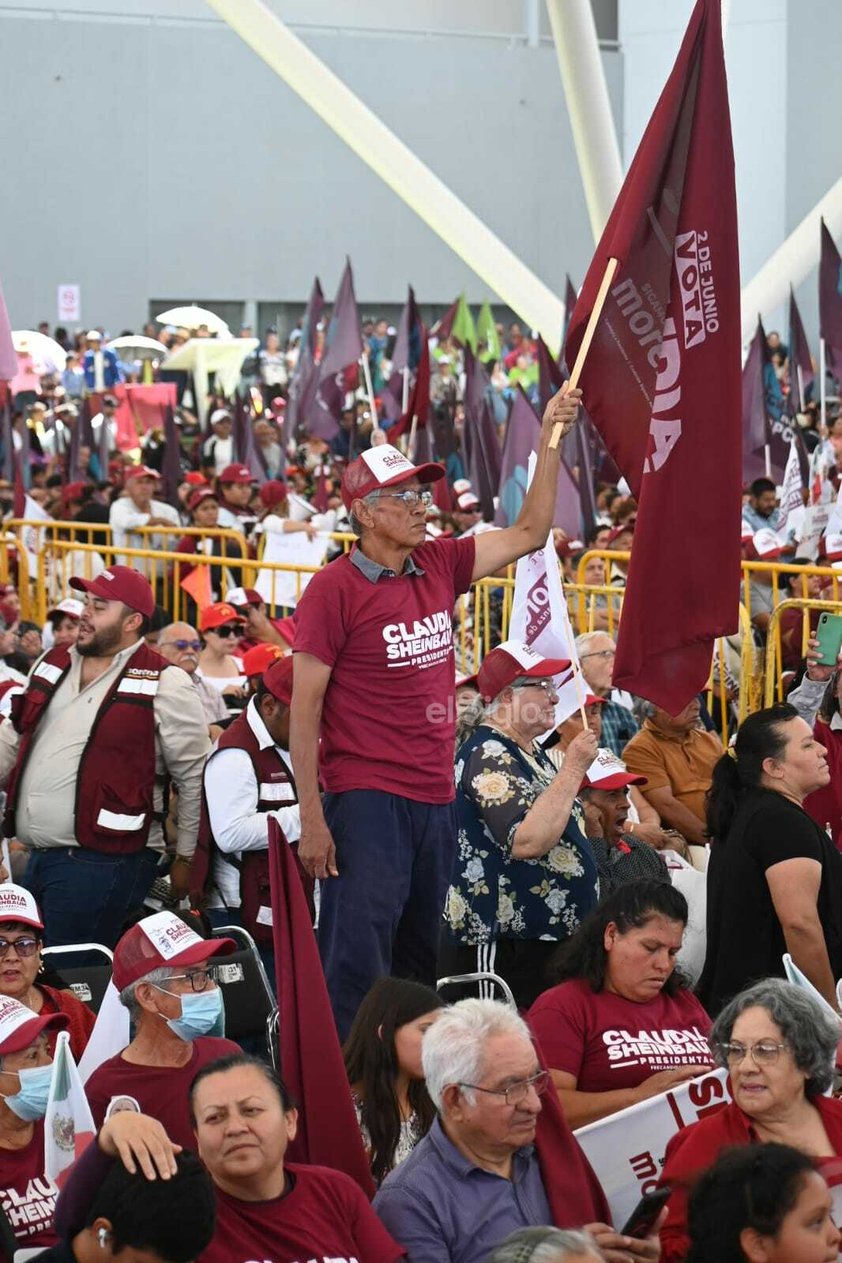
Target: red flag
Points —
{"points": [[419, 401], [662, 378], [311, 1059], [830, 300], [197, 583], [801, 373]]}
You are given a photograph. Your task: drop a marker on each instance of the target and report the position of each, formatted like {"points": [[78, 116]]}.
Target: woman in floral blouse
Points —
{"points": [[524, 876]]}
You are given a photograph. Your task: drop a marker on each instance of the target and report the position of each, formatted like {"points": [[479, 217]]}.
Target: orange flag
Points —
{"points": [[198, 585]]}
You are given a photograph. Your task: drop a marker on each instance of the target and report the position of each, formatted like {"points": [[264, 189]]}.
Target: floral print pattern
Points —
{"points": [[491, 894]]}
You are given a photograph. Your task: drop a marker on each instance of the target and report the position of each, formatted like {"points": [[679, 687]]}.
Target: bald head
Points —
{"points": [[180, 644]]}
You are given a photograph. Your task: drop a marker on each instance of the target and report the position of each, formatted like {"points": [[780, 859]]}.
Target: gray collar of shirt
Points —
{"points": [[462, 1167], [372, 570]]}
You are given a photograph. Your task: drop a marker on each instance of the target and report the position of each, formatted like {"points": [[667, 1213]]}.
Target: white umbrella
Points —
{"points": [[202, 356], [47, 354], [193, 316], [135, 347]]}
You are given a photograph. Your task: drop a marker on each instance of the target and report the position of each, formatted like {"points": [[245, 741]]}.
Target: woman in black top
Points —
{"points": [[775, 878]]}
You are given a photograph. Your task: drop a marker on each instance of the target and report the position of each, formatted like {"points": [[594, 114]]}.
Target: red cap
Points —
{"points": [[617, 531], [609, 772], [218, 615], [199, 496], [273, 492], [20, 1027], [140, 471], [73, 491], [511, 661], [278, 679], [278, 403], [243, 597], [160, 940], [382, 466], [258, 659], [236, 473], [120, 583], [195, 479]]}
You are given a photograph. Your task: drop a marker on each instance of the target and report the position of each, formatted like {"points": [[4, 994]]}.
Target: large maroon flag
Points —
{"points": [[830, 301], [311, 1059], [801, 375], [662, 378], [343, 350]]}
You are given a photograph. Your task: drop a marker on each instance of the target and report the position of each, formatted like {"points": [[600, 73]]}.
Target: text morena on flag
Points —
{"points": [[661, 380]]}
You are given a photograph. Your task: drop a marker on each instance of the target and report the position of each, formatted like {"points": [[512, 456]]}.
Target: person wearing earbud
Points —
{"points": [[166, 977], [26, 1195]]}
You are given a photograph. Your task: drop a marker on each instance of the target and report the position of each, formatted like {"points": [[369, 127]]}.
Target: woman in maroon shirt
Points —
{"points": [[622, 1026]]}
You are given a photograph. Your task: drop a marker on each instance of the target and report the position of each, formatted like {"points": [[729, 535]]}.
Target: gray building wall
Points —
{"points": [[155, 157]]}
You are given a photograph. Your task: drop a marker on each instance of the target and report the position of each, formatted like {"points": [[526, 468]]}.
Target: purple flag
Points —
{"points": [[523, 434], [830, 301], [8, 463], [763, 421], [800, 361], [8, 358], [245, 448], [405, 358], [343, 348], [305, 375], [171, 473], [569, 304], [482, 443]]}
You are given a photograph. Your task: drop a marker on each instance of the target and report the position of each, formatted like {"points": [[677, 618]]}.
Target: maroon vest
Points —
{"points": [[275, 788], [116, 782]]}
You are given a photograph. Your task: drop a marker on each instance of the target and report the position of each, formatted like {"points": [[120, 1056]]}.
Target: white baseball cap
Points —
{"points": [[20, 1027], [69, 606], [17, 904], [609, 772]]}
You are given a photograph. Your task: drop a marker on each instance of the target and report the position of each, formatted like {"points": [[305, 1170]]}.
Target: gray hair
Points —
{"points": [[586, 639], [543, 1245], [353, 521], [454, 1047], [127, 995], [811, 1034]]}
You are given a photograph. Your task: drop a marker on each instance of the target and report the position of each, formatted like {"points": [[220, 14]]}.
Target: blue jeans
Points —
{"points": [[87, 896], [382, 915]]}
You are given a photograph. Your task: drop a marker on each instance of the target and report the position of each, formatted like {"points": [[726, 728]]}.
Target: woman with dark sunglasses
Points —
{"points": [[21, 940], [220, 662]]}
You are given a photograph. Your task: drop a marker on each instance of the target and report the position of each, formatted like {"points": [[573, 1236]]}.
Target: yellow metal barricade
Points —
{"points": [[773, 673], [771, 573]]}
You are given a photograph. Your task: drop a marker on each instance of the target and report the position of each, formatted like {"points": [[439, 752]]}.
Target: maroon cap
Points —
{"points": [[241, 598], [199, 496], [511, 661], [140, 471], [120, 583], [161, 940], [278, 679], [273, 492], [382, 466], [74, 491], [236, 473], [617, 531], [20, 1027]]}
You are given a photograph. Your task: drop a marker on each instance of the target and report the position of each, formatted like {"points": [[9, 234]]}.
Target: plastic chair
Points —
{"points": [[455, 980], [87, 982], [246, 991]]}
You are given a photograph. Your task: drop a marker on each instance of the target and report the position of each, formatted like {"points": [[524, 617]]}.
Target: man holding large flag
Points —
{"points": [[662, 376], [373, 713]]}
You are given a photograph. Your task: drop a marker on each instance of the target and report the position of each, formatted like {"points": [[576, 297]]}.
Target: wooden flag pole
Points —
{"points": [[590, 330]]}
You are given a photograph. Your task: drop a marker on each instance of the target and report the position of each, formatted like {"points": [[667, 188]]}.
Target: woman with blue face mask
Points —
{"points": [[26, 1195]]}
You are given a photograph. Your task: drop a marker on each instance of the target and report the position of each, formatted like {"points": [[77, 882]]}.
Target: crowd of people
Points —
{"points": [[625, 887]]}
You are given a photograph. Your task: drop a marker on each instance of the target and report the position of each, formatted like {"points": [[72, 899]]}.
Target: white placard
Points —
{"points": [[282, 588], [69, 302]]}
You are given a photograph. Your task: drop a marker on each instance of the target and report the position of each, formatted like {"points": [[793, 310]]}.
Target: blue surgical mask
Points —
{"points": [[30, 1102], [201, 1014]]}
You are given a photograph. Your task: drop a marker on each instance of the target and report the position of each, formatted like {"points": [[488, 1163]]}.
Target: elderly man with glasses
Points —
{"points": [[373, 714], [163, 970], [499, 1156], [181, 645]]}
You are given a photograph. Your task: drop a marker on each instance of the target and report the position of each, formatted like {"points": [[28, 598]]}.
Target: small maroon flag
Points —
{"points": [[343, 349], [418, 406], [305, 375], [830, 301], [482, 443], [311, 1059], [661, 380], [171, 472], [801, 375]]}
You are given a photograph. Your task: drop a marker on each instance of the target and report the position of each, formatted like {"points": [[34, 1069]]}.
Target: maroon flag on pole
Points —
{"points": [[755, 419], [483, 454], [311, 1059], [171, 472], [830, 301], [418, 405], [801, 373], [305, 375], [343, 349], [662, 378], [406, 358]]}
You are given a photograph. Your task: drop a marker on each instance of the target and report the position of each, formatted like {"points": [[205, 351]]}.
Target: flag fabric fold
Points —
{"points": [[482, 443], [830, 300], [68, 1124], [406, 357], [343, 351], [801, 375], [305, 375], [667, 342], [310, 1055], [523, 433]]}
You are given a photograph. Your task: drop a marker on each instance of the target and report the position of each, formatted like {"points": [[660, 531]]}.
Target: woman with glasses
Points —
{"points": [[774, 877], [220, 662], [21, 940], [26, 1194], [779, 1047], [622, 1026], [524, 876]]}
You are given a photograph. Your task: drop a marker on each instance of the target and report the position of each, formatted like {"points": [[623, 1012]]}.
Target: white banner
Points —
{"points": [[294, 549], [627, 1149], [69, 303], [813, 526], [792, 501], [540, 618]]}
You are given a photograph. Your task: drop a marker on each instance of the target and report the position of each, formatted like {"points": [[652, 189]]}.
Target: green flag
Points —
{"points": [[487, 333], [464, 330]]}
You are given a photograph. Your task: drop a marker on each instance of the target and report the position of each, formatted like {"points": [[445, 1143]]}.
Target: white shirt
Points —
{"points": [[222, 450], [125, 517], [232, 795]]}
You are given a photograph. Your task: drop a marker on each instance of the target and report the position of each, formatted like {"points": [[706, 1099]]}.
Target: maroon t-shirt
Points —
{"points": [[26, 1195], [608, 1042], [325, 1216], [388, 721], [160, 1091]]}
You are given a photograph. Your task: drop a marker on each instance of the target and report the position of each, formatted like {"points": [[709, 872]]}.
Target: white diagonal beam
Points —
{"points": [[586, 92], [395, 163]]}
